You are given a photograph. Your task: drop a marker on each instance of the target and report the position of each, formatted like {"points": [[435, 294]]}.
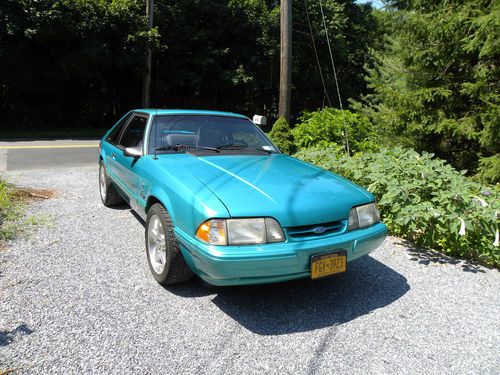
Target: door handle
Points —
{"points": [[113, 155]]}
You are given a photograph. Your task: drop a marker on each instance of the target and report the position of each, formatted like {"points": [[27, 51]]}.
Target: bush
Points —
{"points": [[424, 199], [326, 127], [282, 136]]}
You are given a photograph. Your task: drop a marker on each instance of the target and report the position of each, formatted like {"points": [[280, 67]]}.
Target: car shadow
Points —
{"points": [[306, 305], [121, 207], [138, 218]]}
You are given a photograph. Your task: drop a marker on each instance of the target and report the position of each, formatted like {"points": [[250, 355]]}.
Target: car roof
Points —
{"points": [[152, 111]]}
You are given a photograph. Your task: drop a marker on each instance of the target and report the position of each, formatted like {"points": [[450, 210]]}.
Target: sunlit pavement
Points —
{"points": [[28, 155]]}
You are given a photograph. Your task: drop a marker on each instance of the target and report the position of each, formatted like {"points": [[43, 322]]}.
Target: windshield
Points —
{"points": [[175, 133]]}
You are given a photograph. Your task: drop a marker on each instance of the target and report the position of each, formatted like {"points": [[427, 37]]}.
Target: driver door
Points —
{"points": [[127, 166]]}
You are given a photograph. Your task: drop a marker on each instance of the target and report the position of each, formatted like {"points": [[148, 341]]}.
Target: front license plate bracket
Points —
{"points": [[328, 264]]}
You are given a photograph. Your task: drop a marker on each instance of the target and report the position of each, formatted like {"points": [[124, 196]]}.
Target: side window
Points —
{"points": [[115, 133], [134, 133]]}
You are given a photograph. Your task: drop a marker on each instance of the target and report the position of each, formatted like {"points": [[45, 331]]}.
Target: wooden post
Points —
{"points": [[286, 59], [146, 87]]}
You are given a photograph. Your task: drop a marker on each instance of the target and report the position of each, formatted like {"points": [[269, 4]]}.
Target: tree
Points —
{"points": [[67, 64], [435, 82], [352, 31]]}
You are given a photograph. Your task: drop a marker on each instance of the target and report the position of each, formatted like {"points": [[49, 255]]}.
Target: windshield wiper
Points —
{"points": [[182, 147], [239, 146]]}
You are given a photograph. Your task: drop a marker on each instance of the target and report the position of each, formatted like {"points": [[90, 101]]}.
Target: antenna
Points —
{"points": [[155, 135]]}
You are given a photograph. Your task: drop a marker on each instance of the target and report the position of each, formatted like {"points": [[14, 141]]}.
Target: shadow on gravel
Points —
{"points": [[139, 219], [6, 337], [122, 207], [427, 257], [306, 305]]}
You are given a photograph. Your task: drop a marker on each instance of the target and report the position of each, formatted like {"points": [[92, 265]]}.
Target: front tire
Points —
{"points": [[164, 255], [109, 195]]}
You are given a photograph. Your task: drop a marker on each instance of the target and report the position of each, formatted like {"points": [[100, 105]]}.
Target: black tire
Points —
{"points": [[175, 268], [110, 196]]}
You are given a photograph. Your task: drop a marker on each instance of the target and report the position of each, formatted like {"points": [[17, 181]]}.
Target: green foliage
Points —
{"points": [[435, 81], [10, 211], [424, 199], [70, 63], [282, 136], [329, 126], [74, 64], [489, 169], [352, 29]]}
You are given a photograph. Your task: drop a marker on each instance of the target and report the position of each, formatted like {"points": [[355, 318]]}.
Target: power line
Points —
{"points": [[335, 76], [316, 54]]}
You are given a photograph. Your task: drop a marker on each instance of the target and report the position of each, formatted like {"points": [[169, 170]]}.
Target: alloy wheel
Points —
{"points": [[157, 246]]}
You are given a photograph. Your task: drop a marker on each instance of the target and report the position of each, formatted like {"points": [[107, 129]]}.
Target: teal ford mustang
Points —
{"points": [[221, 201]]}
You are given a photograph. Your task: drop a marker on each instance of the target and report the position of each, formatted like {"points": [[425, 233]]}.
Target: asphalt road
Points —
{"points": [[76, 296], [29, 155]]}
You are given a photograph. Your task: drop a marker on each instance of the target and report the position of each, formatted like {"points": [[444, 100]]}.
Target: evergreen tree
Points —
{"points": [[435, 83], [282, 136]]}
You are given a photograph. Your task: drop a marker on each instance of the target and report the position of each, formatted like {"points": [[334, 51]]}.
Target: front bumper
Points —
{"points": [[259, 264]]}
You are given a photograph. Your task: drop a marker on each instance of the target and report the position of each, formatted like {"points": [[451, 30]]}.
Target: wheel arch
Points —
{"points": [[152, 200], [102, 154], [159, 196]]}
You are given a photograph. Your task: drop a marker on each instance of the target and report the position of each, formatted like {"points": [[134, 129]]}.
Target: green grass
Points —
{"points": [[13, 219], [11, 211]]}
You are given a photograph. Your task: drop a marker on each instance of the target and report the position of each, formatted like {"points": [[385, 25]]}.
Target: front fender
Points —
{"points": [[188, 201]]}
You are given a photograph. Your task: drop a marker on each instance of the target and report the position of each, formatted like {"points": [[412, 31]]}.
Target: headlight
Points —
{"points": [[240, 231], [363, 216]]}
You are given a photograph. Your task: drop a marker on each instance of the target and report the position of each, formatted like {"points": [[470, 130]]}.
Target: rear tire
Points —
{"points": [[107, 190], [162, 249]]}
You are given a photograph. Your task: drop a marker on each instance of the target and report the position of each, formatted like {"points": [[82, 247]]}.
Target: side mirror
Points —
{"points": [[259, 120], [134, 152]]}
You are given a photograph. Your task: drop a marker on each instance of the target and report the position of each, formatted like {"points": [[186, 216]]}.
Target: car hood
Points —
{"points": [[294, 192]]}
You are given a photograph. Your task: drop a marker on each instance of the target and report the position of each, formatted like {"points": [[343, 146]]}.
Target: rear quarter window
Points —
{"points": [[114, 135]]}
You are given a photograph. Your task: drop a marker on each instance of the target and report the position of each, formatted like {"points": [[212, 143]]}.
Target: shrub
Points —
{"points": [[282, 136], [424, 199], [327, 126]]}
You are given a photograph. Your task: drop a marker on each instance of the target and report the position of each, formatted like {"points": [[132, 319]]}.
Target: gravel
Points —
{"points": [[76, 296]]}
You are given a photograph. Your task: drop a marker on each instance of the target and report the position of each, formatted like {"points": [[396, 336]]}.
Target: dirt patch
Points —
{"points": [[30, 194], [14, 210]]}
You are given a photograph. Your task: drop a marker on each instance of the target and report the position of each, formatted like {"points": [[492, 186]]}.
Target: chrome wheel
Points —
{"points": [[157, 246], [102, 182]]}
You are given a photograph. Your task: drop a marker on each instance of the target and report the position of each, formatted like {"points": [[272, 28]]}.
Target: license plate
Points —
{"points": [[328, 264]]}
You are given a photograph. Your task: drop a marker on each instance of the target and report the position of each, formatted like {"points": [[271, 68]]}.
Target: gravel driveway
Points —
{"points": [[77, 297]]}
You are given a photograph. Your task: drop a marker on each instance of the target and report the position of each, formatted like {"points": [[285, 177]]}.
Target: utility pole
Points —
{"points": [[146, 86], [286, 58]]}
